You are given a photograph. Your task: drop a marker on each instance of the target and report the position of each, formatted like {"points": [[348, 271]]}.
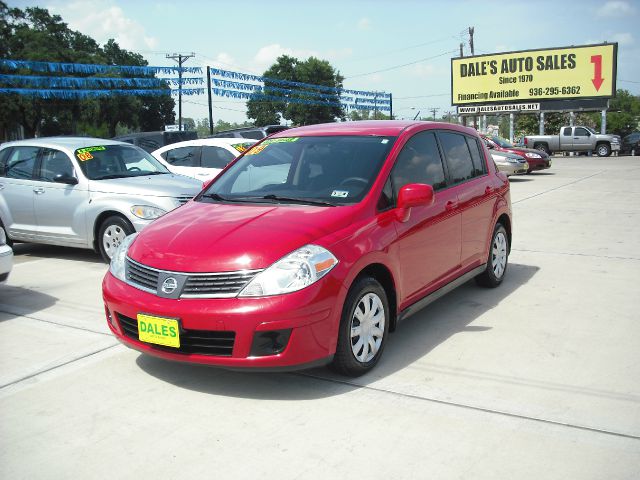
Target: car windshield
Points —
{"points": [[102, 162], [502, 142], [328, 170]]}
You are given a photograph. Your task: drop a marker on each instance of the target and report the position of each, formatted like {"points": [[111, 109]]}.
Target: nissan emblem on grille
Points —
{"points": [[169, 285]]}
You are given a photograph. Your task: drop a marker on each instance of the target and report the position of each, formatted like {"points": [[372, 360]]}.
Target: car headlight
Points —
{"points": [[532, 155], [118, 261], [294, 272], [147, 212]]}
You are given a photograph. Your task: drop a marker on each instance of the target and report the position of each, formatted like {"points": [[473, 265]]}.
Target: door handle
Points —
{"points": [[451, 205], [38, 190]]}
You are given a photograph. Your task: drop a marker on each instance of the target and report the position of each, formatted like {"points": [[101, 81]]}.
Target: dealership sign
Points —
{"points": [[502, 108], [535, 75]]}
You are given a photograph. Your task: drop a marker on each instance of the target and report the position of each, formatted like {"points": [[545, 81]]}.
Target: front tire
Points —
{"points": [[497, 261], [364, 328], [603, 150], [111, 234], [542, 147]]}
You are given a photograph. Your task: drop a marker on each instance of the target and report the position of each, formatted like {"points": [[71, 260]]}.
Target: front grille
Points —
{"points": [[196, 285], [217, 284], [142, 276], [199, 342]]}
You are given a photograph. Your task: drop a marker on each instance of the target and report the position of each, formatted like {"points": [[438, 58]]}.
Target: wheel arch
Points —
{"points": [[98, 223], [383, 275]]}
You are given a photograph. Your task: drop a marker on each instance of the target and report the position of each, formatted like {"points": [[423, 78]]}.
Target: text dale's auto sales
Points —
{"points": [[560, 73]]}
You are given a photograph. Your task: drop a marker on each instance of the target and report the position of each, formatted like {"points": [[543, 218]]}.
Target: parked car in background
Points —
{"points": [[256, 133], [6, 256], [84, 192], [367, 223], [202, 159], [151, 141], [510, 163], [575, 139], [536, 159], [631, 144]]}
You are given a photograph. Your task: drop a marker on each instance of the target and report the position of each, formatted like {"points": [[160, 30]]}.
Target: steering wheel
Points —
{"points": [[348, 180], [134, 169]]}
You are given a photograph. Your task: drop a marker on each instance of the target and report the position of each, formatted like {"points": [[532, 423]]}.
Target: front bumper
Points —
{"points": [[312, 315], [6, 262], [513, 168], [539, 164]]}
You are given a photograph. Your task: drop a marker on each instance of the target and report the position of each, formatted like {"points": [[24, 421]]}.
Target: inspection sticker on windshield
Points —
{"points": [[340, 193], [280, 140], [84, 154], [242, 147]]}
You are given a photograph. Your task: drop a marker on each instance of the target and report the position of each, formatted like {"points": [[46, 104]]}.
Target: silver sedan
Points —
{"points": [[510, 163], [84, 192]]}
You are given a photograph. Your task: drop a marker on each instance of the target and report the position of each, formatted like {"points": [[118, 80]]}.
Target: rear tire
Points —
{"points": [[363, 330], [111, 234], [498, 259]]}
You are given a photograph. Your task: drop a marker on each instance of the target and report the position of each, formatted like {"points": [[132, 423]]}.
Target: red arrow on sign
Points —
{"points": [[597, 71]]}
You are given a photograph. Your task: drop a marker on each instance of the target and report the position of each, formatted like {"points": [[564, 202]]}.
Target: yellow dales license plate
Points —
{"points": [[158, 330]]}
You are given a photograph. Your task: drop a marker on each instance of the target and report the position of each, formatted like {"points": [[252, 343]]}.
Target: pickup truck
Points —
{"points": [[575, 139]]}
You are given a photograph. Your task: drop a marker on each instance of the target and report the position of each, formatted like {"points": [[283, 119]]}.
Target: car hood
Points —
{"points": [[169, 185], [214, 237]]}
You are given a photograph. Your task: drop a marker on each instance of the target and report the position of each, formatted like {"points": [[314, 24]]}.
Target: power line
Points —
{"points": [[402, 49], [400, 66]]}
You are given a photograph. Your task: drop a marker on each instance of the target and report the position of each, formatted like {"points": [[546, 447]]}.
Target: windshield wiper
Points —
{"points": [[108, 177], [304, 201], [215, 196]]}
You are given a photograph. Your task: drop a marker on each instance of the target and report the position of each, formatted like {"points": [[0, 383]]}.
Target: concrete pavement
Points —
{"points": [[535, 379]]}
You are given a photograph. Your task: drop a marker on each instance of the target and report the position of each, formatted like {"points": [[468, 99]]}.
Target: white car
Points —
{"points": [[6, 256], [201, 159]]}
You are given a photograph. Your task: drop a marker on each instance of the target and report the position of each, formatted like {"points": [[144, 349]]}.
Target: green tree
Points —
{"points": [[367, 115], [312, 71], [623, 116], [35, 34]]}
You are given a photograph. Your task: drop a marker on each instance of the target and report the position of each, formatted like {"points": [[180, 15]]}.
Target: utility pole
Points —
{"points": [[180, 58], [433, 111], [473, 51]]}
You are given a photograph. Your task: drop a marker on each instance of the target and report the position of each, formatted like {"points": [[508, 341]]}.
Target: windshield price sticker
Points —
{"points": [[84, 154], [242, 147], [280, 140], [561, 73], [340, 193]]}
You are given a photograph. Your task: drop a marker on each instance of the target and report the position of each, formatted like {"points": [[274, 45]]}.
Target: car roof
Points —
{"points": [[70, 143], [364, 127], [216, 142]]}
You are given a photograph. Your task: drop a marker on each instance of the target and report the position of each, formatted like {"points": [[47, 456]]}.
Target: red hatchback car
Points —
{"points": [[310, 247], [537, 159]]}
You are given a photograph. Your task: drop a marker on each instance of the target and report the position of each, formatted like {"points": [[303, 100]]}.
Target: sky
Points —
{"points": [[403, 47]]}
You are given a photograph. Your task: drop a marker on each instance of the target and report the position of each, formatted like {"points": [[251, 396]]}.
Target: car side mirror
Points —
{"points": [[490, 147], [65, 178], [413, 195]]}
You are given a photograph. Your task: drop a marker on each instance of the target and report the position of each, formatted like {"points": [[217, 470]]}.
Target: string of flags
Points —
{"points": [[228, 84]]}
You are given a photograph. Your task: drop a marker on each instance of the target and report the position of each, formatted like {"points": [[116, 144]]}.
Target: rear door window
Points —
{"points": [[479, 165], [184, 156], [21, 162], [458, 156]]}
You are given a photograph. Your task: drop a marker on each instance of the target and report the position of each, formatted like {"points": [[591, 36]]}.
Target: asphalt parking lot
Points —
{"points": [[535, 379]]}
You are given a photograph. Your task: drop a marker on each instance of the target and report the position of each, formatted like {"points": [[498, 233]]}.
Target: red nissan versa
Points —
{"points": [[537, 159], [310, 248]]}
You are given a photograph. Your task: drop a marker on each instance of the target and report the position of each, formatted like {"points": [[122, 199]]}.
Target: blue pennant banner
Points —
{"points": [[73, 94], [247, 87], [246, 77], [89, 68], [259, 96]]}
